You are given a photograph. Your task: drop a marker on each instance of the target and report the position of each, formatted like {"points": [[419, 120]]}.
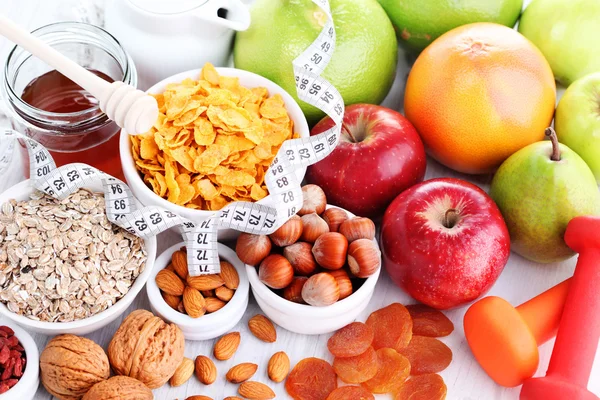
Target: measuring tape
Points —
{"points": [[284, 187]]}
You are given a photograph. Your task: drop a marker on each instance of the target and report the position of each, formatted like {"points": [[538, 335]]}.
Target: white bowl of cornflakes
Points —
{"points": [[218, 131]]}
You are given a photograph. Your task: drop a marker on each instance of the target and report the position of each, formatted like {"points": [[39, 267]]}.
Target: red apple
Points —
{"points": [[444, 242], [380, 154]]}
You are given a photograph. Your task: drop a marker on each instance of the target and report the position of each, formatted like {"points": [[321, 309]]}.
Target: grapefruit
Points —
{"points": [[418, 23], [478, 94], [363, 65]]}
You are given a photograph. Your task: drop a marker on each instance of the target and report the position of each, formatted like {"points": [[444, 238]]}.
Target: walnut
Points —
{"points": [[71, 365], [146, 348], [119, 388]]}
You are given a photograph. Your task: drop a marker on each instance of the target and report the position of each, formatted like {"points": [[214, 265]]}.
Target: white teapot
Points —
{"points": [[165, 37]]}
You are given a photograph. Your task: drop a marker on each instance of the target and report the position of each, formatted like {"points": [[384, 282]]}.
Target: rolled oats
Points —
{"points": [[62, 260]]}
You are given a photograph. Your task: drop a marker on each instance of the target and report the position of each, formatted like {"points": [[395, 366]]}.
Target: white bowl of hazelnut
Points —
{"points": [[66, 286], [318, 271], [204, 307]]}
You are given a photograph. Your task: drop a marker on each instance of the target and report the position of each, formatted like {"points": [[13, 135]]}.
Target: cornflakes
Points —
{"points": [[212, 142]]}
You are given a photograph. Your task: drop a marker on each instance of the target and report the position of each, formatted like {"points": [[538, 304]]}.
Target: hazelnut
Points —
{"points": [[334, 217], [276, 272], [330, 250], [313, 200], [363, 258], [343, 280], [146, 348], [252, 249], [70, 365], [321, 290], [301, 257], [288, 233], [313, 227], [358, 228], [294, 291]]}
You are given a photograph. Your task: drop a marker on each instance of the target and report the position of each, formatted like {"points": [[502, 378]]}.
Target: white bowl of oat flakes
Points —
{"points": [[63, 267]]}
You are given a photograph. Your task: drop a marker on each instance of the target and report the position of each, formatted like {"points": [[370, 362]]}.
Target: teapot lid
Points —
{"points": [[167, 7]]}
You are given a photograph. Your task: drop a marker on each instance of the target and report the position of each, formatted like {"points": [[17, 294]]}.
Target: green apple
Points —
{"points": [[539, 189], [577, 120], [567, 32]]}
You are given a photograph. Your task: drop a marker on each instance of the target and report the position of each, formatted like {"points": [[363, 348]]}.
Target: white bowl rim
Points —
{"points": [[31, 373], [306, 310], [128, 164], [17, 191], [182, 320]]}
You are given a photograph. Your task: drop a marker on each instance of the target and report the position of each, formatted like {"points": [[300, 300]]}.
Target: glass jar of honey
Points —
{"points": [[55, 111]]}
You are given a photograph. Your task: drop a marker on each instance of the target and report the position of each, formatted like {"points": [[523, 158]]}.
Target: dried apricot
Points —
{"points": [[392, 326], [393, 369], [356, 369], [427, 355], [351, 340], [311, 379], [423, 387], [350, 393], [428, 321]]}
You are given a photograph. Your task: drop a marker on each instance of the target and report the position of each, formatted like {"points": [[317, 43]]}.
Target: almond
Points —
{"points": [[229, 275], [224, 293], [241, 372], [208, 293], [198, 397], [262, 328], [169, 282], [182, 373], [172, 301], [205, 282], [180, 307], [226, 346], [193, 302], [232, 398], [256, 391], [213, 304], [206, 372], [179, 262], [279, 367]]}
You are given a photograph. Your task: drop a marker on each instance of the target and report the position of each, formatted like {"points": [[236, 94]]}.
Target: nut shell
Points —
{"points": [[301, 257], [363, 258], [182, 373], [70, 365], [226, 346], [334, 218], [193, 302], [205, 282], [276, 272], [330, 250], [313, 200], [294, 291], [229, 275], [169, 282], [358, 228], [180, 265], [278, 367], [313, 227], [206, 371], [321, 290], [252, 249], [241, 372], [344, 283], [119, 388], [288, 233], [146, 348], [262, 328]]}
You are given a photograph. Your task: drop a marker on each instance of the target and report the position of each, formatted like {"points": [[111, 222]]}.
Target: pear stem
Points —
{"points": [[450, 218], [555, 149]]}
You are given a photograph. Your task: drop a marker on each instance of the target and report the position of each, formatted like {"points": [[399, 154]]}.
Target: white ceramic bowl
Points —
{"points": [[21, 191], [27, 386], [208, 326], [306, 319], [147, 197]]}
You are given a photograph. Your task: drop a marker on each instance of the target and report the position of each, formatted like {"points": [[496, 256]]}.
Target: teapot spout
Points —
{"points": [[232, 14]]}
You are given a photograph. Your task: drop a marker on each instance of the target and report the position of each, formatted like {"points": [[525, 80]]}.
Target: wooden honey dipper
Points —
{"points": [[130, 108], [505, 339], [579, 331]]}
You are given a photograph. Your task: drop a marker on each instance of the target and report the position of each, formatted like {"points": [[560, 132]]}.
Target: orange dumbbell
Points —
{"points": [[505, 339]]}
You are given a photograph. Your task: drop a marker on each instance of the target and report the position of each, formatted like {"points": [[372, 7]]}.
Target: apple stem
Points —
{"points": [[554, 139], [450, 218], [348, 132]]}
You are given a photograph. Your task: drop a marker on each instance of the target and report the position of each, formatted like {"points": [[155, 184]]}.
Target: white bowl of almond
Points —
{"points": [[64, 268], [204, 306], [318, 271]]}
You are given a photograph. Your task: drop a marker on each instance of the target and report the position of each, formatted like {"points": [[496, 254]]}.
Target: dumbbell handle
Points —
{"points": [[577, 339], [543, 312]]}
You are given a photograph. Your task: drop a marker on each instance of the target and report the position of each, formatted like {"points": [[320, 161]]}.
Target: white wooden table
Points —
{"points": [[520, 280]]}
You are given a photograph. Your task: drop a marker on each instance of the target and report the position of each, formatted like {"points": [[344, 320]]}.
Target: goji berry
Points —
{"points": [[4, 354], [351, 340]]}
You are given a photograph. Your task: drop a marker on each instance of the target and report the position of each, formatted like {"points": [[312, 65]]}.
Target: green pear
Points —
{"points": [[539, 189]]}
